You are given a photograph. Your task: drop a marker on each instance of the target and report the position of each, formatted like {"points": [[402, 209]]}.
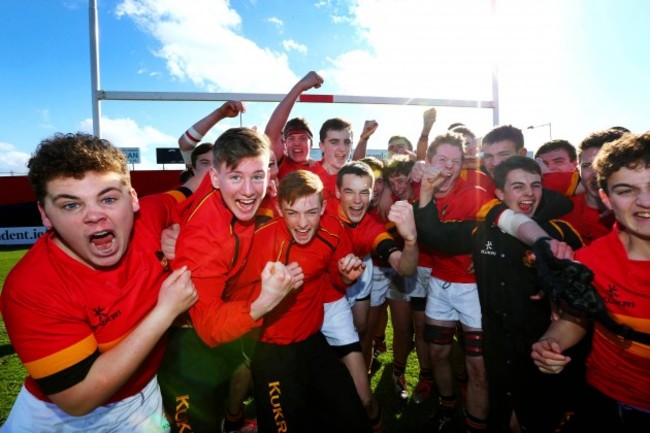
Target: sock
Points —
{"points": [[425, 374], [475, 425], [447, 404], [233, 422], [376, 423]]}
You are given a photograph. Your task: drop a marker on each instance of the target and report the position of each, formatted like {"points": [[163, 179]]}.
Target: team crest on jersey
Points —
{"points": [[103, 318], [487, 249], [612, 297], [529, 259]]}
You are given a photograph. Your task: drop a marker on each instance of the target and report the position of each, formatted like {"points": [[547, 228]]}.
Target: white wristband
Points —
{"points": [[192, 136], [187, 157], [509, 221]]}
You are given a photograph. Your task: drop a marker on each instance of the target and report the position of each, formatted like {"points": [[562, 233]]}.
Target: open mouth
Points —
{"points": [[526, 206], [103, 241], [302, 235], [642, 215], [246, 205]]}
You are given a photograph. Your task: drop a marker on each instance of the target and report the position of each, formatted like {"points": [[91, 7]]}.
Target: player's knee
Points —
{"points": [[441, 335], [473, 341]]}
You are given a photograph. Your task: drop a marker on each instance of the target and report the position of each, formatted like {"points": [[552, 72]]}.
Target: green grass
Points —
{"points": [[12, 372], [397, 418]]}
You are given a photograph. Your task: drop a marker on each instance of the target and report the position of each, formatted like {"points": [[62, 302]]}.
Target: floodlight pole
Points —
{"points": [[94, 66]]}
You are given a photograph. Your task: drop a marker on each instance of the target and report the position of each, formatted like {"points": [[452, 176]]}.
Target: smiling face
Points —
{"points": [[449, 159], [629, 199], [588, 176], [298, 144], [497, 152], [558, 161], [522, 191], [243, 187], [336, 148], [204, 163], [355, 193], [302, 217], [92, 216]]}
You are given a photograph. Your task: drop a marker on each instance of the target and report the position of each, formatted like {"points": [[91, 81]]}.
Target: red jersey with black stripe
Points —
{"points": [[619, 368], [61, 314], [300, 314]]}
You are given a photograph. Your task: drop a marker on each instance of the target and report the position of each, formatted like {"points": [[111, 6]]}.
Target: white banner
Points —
{"points": [[20, 235]]}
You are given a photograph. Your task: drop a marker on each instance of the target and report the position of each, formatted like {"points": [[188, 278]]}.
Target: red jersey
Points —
{"points": [[463, 202], [588, 221], [329, 190], [563, 182], [214, 245], [478, 178], [620, 369], [61, 314], [300, 314], [286, 165]]}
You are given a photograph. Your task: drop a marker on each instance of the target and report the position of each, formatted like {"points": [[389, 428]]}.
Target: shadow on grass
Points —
{"points": [[399, 416], [6, 349]]}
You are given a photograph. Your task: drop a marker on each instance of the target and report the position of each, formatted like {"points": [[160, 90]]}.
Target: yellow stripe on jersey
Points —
{"points": [[483, 211], [62, 359], [381, 237]]}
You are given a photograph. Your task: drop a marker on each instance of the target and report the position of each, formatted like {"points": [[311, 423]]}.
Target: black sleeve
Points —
{"points": [[449, 238], [553, 205], [68, 377]]}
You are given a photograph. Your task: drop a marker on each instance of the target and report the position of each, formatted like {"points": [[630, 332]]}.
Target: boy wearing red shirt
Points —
{"points": [[86, 307], [295, 372], [618, 367]]}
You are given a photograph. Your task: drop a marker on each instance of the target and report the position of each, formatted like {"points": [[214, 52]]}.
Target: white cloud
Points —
{"points": [[291, 45], [12, 161], [44, 117], [213, 55], [276, 21]]}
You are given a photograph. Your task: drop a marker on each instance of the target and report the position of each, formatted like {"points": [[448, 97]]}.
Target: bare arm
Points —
{"points": [[561, 335], [406, 261], [429, 118], [190, 138], [369, 128], [281, 113], [113, 368]]}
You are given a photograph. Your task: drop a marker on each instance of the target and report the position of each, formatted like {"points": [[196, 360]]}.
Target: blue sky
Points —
{"points": [[576, 64]]}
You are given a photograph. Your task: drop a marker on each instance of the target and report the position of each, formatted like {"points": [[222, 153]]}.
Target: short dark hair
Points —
{"points": [[334, 124], [298, 184], [297, 124], [74, 155], [452, 138], [598, 138], [200, 150], [505, 132], [375, 164], [629, 151], [238, 143], [558, 144], [357, 168], [513, 163], [398, 164]]}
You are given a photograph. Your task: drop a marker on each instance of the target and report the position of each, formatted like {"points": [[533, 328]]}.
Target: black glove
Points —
{"points": [[566, 281]]}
